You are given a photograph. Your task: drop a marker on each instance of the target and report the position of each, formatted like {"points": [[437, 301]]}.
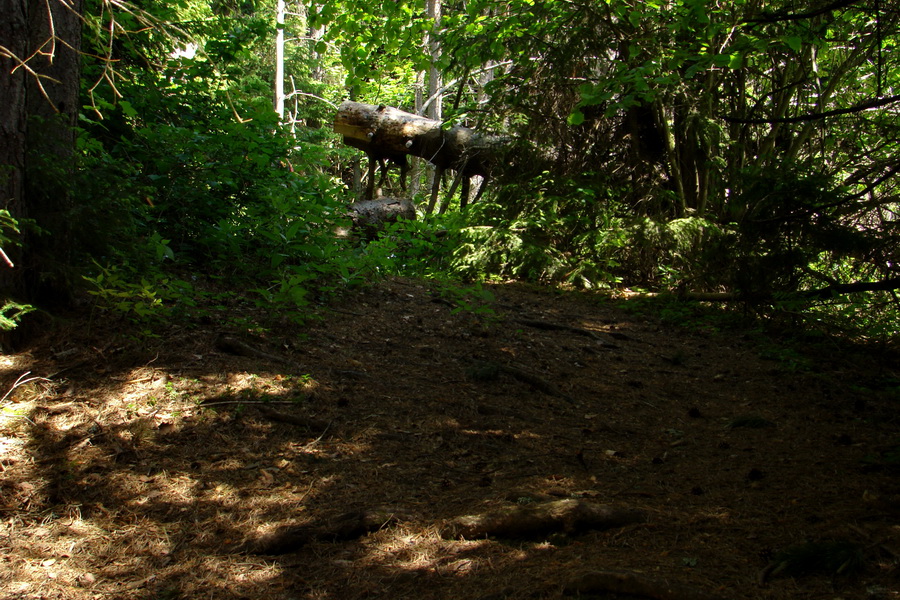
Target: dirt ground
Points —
{"points": [[164, 467]]}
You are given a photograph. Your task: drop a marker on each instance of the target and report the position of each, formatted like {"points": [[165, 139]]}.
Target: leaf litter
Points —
{"points": [[155, 468]]}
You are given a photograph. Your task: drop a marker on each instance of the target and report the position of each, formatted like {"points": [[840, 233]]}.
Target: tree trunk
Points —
{"points": [[279, 60], [13, 39], [38, 111], [434, 99], [434, 108]]}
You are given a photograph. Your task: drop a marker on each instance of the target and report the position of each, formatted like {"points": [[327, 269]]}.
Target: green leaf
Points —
{"points": [[127, 108], [794, 42], [576, 118]]}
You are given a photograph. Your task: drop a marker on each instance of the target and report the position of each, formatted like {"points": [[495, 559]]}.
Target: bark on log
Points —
{"points": [[387, 132], [569, 516], [370, 216]]}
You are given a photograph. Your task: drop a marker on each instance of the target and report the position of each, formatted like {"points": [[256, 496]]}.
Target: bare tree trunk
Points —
{"points": [[435, 81], [415, 171], [279, 60], [434, 103]]}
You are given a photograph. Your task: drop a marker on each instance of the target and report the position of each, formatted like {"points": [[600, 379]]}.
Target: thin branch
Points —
{"points": [[296, 93], [20, 382], [783, 16], [869, 188], [246, 403], [820, 115], [52, 53], [6, 259], [837, 289], [6, 52], [440, 92]]}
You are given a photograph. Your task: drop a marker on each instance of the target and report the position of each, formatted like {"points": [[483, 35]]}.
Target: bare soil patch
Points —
{"points": [[162, 467]]}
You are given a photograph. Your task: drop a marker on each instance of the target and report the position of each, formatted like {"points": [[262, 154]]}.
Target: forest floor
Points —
{"points": [[221, 459]]}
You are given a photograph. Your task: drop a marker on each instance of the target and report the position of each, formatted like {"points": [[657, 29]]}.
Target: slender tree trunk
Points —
{"points": [[434, 108], [435, 80], [415, 171], [662, 122], [279, 60]]}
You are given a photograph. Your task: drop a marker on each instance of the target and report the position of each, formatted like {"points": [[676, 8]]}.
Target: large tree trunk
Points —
{"points": [[38, 111], [13, 40]]}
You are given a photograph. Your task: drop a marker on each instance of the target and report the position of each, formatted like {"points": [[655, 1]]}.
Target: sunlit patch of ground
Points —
{"points": [[142, 467]]}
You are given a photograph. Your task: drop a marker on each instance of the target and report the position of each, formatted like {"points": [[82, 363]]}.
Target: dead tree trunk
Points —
{"points": [[388, 134]]}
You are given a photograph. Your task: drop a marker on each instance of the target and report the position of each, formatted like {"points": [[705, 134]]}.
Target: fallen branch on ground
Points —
{"points": [[349, 526], [534, 520], [633, 584], [560, 327]]}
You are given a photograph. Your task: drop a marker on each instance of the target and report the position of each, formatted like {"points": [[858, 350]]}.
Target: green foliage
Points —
{"points": [[547, 231], [687, 253], [379, 50], [11, 314], [9, 229], [666, 148], [473, 300], [144, 297]]}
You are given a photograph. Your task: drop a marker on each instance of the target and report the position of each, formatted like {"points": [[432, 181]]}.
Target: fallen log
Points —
{"points": [[385, 133], [534, 520], [635, 585], [346, 527], [371, 216]]}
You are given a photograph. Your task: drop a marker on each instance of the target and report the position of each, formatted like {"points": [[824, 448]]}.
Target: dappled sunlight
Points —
{"points": [[424, 551], [158, 473]]}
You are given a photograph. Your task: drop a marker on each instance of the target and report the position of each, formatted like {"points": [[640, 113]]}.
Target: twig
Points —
{"points": [[20, 382], [245, 402], [560, 327], [318, 439]]}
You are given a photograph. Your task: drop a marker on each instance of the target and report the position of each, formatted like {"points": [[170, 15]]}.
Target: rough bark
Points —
{"points": [[384, 131], [52, 104], [39, 88], [370, 216], [13, 39]]}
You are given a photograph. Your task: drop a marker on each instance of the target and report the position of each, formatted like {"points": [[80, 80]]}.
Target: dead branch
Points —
{"points": [[633, 584], [879, 102], [560, 327], [536, 381], [304, 422], [568, 516], [232, 345], [348, 526]]}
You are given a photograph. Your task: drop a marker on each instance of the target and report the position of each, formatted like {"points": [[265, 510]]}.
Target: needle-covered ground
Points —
{"points": [[243, 456]]}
